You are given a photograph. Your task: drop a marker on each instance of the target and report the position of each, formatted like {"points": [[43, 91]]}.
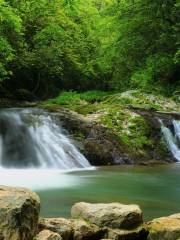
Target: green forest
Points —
{"points": [[47, 47]]}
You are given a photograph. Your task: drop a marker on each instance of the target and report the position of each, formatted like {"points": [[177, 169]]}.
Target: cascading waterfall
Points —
{"points": [[32, 139], [172, 138]]}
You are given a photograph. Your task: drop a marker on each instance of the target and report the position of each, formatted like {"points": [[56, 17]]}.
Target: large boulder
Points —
{"points": [[113, 215], [19, 213], [166, 228], [47, 235]]}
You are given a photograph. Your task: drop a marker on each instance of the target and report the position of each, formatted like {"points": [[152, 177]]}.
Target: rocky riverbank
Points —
{"points": [[20, 220]]}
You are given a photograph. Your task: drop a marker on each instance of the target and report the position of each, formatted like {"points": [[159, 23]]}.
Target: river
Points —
{"points": [[39, 155]]}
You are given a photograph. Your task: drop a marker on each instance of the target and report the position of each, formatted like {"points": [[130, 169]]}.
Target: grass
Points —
{"points": [[66, 98]]}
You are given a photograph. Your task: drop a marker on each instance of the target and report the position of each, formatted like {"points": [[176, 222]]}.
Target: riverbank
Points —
{"points": [[20, 220], [114, 128]]}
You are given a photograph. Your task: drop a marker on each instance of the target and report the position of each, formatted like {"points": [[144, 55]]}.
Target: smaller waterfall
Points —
{"points": [[172, 139]]}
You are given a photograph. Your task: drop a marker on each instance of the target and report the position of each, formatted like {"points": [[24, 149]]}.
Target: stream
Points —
{"points": [[35, 152]]}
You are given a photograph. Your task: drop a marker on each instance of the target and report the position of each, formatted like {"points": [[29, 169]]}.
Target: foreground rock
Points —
{"points": [[113, 215], [166, 228], [139, 233], [47, 235], [75, 229], [59, 225], [19, 220], [118, 221], [19, 212]]}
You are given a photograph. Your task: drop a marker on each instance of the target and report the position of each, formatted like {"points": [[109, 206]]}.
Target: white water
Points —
{"points": [[173, 140], [30, 139]]}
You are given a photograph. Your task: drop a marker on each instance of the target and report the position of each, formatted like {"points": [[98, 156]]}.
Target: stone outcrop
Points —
{"points": [[102, 146], [19, 212], [166, 228], [98, 144]]}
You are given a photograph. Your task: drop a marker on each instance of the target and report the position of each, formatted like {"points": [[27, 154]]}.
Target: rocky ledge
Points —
{"points": [[102, 146], [19, 220]]}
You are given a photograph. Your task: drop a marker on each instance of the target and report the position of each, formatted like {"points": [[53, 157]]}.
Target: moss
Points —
{"points": [[114, 113], [78, 136], [131, 129]]}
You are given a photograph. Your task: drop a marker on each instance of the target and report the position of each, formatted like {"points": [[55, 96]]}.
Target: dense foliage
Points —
{"points": [[48, 46]]}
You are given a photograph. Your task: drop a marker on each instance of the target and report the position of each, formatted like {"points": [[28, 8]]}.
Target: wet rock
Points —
{"points": [[166, 228], [61, 226], [47, 235], [19, 212], [113, 215]]}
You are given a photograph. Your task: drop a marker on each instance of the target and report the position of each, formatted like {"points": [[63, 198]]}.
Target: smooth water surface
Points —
{"points": [[155, 189]]}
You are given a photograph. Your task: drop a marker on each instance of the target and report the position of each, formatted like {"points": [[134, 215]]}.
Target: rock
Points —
{"points": [[120, 234], [47, 235], [19, 213], [166, 228], [71, 228], [61, 226], [83, 230], [100, 146], [113, 215]]}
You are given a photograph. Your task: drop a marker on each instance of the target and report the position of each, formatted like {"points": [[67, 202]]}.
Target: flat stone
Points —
{"points": [[113, 215]]}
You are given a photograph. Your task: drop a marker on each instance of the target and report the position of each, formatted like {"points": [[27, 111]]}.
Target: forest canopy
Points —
{"points": [[113, 45]]}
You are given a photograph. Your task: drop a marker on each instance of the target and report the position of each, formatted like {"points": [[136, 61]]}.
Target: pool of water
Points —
{"points": [[155, 189]]}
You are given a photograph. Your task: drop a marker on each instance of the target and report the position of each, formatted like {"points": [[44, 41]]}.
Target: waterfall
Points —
{"points": [[172, 138], [32, 139]]}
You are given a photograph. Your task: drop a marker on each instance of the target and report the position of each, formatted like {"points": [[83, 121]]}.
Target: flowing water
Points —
{"points": [[32, 139], [35, 152], [172, 138]]}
